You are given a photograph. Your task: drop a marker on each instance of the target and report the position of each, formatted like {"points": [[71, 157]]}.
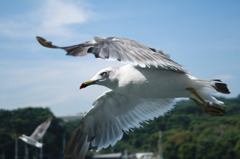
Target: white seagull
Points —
{"points": [[143, 89], [37, 134]]}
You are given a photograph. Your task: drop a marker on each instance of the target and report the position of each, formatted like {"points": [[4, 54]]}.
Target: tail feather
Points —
{"points": [[222, 88], [207, 87]]}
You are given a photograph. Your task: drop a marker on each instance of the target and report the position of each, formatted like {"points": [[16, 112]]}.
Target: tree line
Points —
{"points": [[187, 133]]}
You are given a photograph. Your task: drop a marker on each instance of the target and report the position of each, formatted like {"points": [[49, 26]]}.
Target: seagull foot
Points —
{"points": [[210, 109], [206, 106], [214, 110]]}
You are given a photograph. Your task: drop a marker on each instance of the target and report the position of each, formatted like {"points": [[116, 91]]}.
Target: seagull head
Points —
{"points": [[106, 77]]}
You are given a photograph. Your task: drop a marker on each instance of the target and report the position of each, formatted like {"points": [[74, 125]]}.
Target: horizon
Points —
{"points": [[178, 101]]}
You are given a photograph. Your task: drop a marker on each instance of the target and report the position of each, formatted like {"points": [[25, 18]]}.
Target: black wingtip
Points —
{"points": [[222, 88], [45, 43]]}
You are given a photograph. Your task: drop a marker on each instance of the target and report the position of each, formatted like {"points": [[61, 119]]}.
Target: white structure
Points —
{"points": [[108, 156], [144, 155], [67, 118]]}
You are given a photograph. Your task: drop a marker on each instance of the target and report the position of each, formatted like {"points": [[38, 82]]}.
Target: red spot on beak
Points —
{"points": [[81, 86], [87, 83]]}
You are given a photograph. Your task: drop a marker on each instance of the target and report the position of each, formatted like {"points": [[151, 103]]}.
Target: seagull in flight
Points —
{"points": [[37, 134], [141, 90]]}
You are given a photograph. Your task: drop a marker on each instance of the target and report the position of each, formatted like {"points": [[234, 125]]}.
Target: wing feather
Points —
{"points": [[111, 115], [120, 49], [41, 129]]}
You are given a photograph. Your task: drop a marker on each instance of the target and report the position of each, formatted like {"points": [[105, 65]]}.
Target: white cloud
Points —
{"points": [[225, 77], [58, 14], [51, 17], [50, 83]]}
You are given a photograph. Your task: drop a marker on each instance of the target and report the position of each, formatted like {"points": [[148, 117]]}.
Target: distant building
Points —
{"points": [[108, 156], [71, 117], [144, 155]]}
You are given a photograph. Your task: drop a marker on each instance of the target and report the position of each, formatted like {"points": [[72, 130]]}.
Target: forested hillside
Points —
{"points": [[186, 133]]}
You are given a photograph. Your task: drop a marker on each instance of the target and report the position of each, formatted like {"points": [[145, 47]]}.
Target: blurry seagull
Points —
{"points": [[143, 89], [37, 134]]}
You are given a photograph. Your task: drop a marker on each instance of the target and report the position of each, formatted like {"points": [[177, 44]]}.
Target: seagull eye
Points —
{"points": [[103, 74]]}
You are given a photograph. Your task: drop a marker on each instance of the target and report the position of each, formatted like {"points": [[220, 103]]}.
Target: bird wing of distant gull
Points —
{"points": [[120, 49], [41, 129], [109, 117]]}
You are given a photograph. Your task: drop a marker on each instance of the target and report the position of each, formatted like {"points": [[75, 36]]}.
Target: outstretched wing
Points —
{"points": [[111, 114], [121, 49], [41, 129]]}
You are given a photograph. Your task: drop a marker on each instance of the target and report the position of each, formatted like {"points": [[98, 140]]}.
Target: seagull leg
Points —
{"points": [[213, 111], [209, 108]]}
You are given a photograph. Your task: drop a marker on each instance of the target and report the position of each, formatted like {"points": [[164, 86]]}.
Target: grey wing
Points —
{"points": [[41, 129], [111, 114], [120, 49]]}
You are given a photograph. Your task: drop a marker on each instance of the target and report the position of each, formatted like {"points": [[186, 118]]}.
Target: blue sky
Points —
{"points": [[204, 36]]}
